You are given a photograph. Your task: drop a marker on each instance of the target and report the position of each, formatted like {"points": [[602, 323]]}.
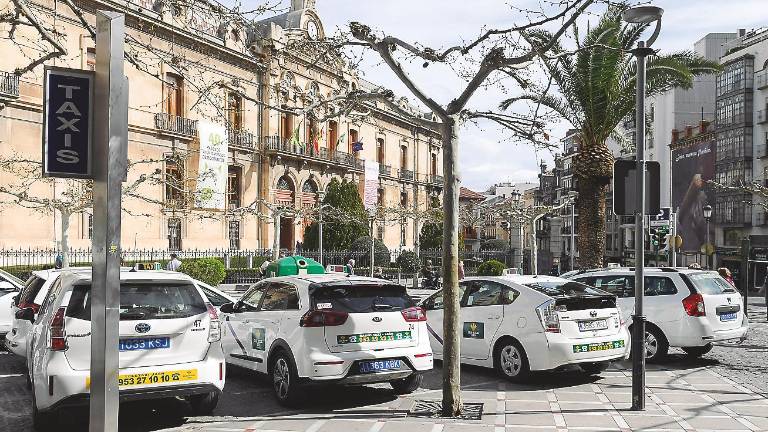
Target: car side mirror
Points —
{"points": [[227, 308], [26, 314]]}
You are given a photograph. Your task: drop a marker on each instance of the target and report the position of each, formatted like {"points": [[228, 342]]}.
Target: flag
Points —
{"points": [[295, 140], [341, 140], [357, 146], [316, 140]]}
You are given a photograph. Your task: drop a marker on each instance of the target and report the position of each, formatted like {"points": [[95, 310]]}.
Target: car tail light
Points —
{"points": [[423, 355], [548, 315], [414, 314], [29, 305], [694, 305], [214, 332], [323, 318], [58, 340]]}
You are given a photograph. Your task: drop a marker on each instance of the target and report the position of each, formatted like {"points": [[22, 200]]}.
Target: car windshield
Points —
{"points": [[565, 289], [361, 298], [144, 301], [711, 283]]}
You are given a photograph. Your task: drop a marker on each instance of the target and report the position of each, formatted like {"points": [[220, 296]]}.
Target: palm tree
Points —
{"points": [[596, 92]]}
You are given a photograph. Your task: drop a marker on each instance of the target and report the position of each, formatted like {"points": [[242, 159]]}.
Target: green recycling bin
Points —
{"points": [[294, 266]]}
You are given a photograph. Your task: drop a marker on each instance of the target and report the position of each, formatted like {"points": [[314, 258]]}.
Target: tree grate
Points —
{"points": [[434, 409]]}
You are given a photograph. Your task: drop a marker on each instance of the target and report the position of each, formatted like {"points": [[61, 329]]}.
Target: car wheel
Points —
{"points": [[285, 380], [511, 361], [656, 345], [43, 421], [698, 351], [407, 385], [204, 404], [594, 368]]}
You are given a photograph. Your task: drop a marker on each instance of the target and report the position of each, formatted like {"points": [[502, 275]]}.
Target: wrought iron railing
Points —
{"points": [[285, 145], [405, 174], [436, 179], [175, 124], [385, 170], [239, 137], [9, 84]]}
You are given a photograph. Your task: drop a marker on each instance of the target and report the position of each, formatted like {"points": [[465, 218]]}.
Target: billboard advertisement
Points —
{"points": [[213, 169], [692, 167]]}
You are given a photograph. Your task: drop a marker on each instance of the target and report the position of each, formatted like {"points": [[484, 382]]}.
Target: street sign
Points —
{"points": [[67, 122], [625, 197], [661, 219]]}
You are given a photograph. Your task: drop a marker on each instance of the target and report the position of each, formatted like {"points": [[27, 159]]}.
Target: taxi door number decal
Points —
{"points": [[258, 339], [474, 330], [373, 337]]}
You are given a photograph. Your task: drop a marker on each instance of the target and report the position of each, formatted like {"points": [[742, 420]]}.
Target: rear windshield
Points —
{"points": [[30, 290], [361, 298], [711, 283], [143, 301], [566, 289]]}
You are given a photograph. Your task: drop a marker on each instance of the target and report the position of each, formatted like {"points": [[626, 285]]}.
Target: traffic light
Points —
{"points": [[654, 236]]}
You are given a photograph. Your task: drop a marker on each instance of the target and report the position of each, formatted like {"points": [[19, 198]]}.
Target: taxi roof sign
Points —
{"points": [[294, 266]]}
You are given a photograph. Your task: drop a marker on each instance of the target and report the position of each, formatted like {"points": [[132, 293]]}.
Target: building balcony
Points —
{"points": [[470, 234], [176, 125], [405, 174], [385, 170], [9, 85], [436, 180], [761, 79], [284, 147], [241, 138]]}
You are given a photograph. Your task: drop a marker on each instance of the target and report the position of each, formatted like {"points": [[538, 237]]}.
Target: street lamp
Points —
{"points": [[707, 209], [516, 196], [573, 195], [320, 197], [640, 15]]}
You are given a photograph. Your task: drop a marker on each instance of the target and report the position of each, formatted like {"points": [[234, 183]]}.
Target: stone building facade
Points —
{"points": [[196, 65]]}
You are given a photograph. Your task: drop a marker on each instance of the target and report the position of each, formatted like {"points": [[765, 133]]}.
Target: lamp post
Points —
{"points": [[707, 209], [516, 195], [640, 15], [320, 196], [573, 195]]}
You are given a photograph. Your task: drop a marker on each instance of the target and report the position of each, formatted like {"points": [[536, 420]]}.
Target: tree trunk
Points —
{"points": [[65, 215], [417, 251], [276, 233], [451, 333], [591, 224], [534, 249]]}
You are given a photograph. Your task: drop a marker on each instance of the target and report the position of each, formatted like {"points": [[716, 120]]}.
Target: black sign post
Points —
{"points": [[68, 123], [625, 196]]}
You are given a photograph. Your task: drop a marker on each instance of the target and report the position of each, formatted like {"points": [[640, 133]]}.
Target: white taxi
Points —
{"points": [[518, 324], [170, 343], [328, 329], [10, 286]]}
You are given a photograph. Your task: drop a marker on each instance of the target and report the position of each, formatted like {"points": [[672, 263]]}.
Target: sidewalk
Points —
{"points": [[692, 399]]}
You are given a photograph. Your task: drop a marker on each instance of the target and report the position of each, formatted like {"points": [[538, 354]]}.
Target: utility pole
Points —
{"points": [[110, 167], [320, 196]]}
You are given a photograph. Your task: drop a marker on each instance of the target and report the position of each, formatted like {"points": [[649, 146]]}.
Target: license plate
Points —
{"points": [[593, 325], [151, 378], [373, 337], [603, 346], [144, 344], [728, 316], [379, 365]]}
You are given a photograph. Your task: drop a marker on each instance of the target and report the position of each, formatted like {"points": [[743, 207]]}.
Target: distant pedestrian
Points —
{"points": [[725, 273], [174, 263], [694, 266], [461, 270], [59, 262], [351, 266]]}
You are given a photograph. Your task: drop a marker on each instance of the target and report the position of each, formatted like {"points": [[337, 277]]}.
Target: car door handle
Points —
{"points": [[495, 317]]}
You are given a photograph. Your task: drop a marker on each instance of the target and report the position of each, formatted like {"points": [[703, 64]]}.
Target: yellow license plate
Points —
{"points": [[150, 378]]}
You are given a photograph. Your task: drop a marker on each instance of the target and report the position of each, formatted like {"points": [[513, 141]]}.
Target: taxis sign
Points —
{"points": [[68, 123]]}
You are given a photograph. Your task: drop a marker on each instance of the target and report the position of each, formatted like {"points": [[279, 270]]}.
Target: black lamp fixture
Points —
{"points": [[707, 209]]}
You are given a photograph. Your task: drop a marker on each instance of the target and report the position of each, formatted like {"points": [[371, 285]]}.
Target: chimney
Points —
{"points": [[703, 125], [688, 131], [675, 136]]}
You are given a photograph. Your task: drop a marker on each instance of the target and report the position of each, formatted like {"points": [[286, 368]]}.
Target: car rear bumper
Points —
{"points": [[343, 367], [698, 331], [561, 351]]}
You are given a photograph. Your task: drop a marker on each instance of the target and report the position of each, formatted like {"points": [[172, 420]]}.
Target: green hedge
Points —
{"points": [[208, 270], [490, 268]]}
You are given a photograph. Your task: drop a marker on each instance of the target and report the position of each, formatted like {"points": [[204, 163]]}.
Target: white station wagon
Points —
{"points": [[518, 324]]}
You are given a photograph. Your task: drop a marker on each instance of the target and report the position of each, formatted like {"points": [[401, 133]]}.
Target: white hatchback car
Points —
{"points": [[170, 343], [685, 308], [10, 286], [519, 324], [328, 329]]}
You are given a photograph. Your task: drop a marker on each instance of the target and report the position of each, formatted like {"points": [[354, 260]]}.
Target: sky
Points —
{"points": [[487, 155]]}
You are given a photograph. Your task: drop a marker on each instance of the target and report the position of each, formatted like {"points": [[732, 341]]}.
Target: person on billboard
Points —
{"points": [[691, 224]]}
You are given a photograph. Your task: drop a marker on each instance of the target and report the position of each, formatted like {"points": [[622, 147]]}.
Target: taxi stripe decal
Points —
{"points": [[433, 333], [237, 339]]}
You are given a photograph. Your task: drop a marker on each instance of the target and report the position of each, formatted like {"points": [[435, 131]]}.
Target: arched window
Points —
{"points": [[309, 187], [380, 150], [285, 183], [284, 193]]}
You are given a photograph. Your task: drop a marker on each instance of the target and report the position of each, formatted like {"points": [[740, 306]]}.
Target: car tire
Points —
{"points": [[656, 345], [285, 380], [511, 361], [204, 404], [698, 351], [594, 368], [43, 421], [407, 385]]}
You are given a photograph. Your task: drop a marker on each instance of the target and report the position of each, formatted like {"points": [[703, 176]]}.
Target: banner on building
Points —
{"points": [[211, 190], [371, 185], [692, 167], [67, 122]]}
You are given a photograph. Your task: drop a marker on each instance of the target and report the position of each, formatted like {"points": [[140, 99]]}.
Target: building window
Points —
{"points": [[174, 234], [286, 126], [380, 232], [90, 59], [88, 231], [233, 187], [234, 234], [404, 199], [403, 157], [380, 150], [433, 164], [174, 94], [174, 184], [402, 233], [380, 196], [333, 135], [235, 110], [353, 139]]}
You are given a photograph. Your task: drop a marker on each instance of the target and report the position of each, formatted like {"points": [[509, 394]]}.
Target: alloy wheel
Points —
{"points": [[511, 360], [651, 345], [281, 378]]}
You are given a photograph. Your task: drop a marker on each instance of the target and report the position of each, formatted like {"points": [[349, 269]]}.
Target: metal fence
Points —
{"points": [[243, 265]]}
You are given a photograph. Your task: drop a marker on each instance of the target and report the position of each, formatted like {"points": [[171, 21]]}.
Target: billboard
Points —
{"points": [[371, 185], [213, 169], [67, 122], [692, 167]]}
